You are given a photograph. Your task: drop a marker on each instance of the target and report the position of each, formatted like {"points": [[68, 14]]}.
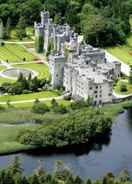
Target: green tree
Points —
{"points": [[21, 28], [130, 76], [39, 44], [7, 29], [1, 31]]}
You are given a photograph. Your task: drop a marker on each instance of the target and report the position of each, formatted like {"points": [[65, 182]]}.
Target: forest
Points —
{"points": [[102, 22], [61, 174]]}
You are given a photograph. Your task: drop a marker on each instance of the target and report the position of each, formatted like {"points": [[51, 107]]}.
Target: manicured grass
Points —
{"points": [[31, 96], [8, 136], [42, 69], [123, 52], [15, 53], [47, 102], [2, 67], [2, 79], [129, 87]]}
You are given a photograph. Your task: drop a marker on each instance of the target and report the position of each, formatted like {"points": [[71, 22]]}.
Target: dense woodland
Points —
{"points": [[60, 175], [103, 22]]}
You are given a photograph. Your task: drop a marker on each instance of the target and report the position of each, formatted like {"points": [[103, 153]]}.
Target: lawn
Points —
{"points": [[2, 80], [8, 136], [42, 69], [123, 52], [15, 53], [28, 105], [23, 114], [31, 96], [129, 87], [2, 67]]}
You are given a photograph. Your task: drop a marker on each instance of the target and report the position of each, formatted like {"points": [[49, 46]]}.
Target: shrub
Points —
{"points": [[2, 108], [40, 108], [123, 87]]}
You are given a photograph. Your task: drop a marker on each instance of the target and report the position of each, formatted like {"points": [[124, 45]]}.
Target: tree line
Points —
{"points": [[25, 85], [103, 22], [13, 174]]}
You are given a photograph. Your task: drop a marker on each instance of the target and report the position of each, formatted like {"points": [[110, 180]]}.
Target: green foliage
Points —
{"points": [[60, 175], [21, 28], [109, 20], [39, 40], [7, 31], [123, 87], [79, 127], [130, 76], [24, 85], [40, 108]]}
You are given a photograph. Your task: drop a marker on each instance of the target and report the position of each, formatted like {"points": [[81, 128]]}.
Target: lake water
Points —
{"points": [[114, 156]]}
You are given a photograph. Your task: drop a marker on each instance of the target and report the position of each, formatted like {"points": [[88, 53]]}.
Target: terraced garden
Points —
{"points": [[15, 53]]}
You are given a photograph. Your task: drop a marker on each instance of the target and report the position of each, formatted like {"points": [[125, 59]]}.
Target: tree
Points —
{"points": [[39, 43], [15, 167], [34, 179], [130, 76], [40, 108], [123, 87], [1, 31], [92, 27], [21, 28], [7, 28]]}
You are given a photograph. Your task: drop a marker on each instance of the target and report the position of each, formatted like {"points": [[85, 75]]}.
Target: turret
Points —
{"points": [[44, 18]]}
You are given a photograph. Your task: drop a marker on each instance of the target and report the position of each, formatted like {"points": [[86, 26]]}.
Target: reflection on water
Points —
{"points": [[114, 154]]}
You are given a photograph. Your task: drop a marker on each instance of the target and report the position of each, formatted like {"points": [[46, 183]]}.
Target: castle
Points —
{"points": [[78, 67]]}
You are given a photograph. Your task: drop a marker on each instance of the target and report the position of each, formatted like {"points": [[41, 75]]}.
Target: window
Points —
{"points": [[90, 88], [95, 92]]}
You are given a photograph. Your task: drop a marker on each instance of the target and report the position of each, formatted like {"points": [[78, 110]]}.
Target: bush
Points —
{"points": [[123, 87], [2, 108], [40, 108]]}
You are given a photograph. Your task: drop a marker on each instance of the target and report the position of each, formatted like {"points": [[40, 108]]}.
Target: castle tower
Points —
{"points": [[56, 64], [44, 18]]}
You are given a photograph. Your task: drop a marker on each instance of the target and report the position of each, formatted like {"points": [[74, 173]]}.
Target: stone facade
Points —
{"points": [[80, 68]]}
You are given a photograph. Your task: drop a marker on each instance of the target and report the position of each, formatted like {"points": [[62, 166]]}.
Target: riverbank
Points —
{"points": [[26, 120]]}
